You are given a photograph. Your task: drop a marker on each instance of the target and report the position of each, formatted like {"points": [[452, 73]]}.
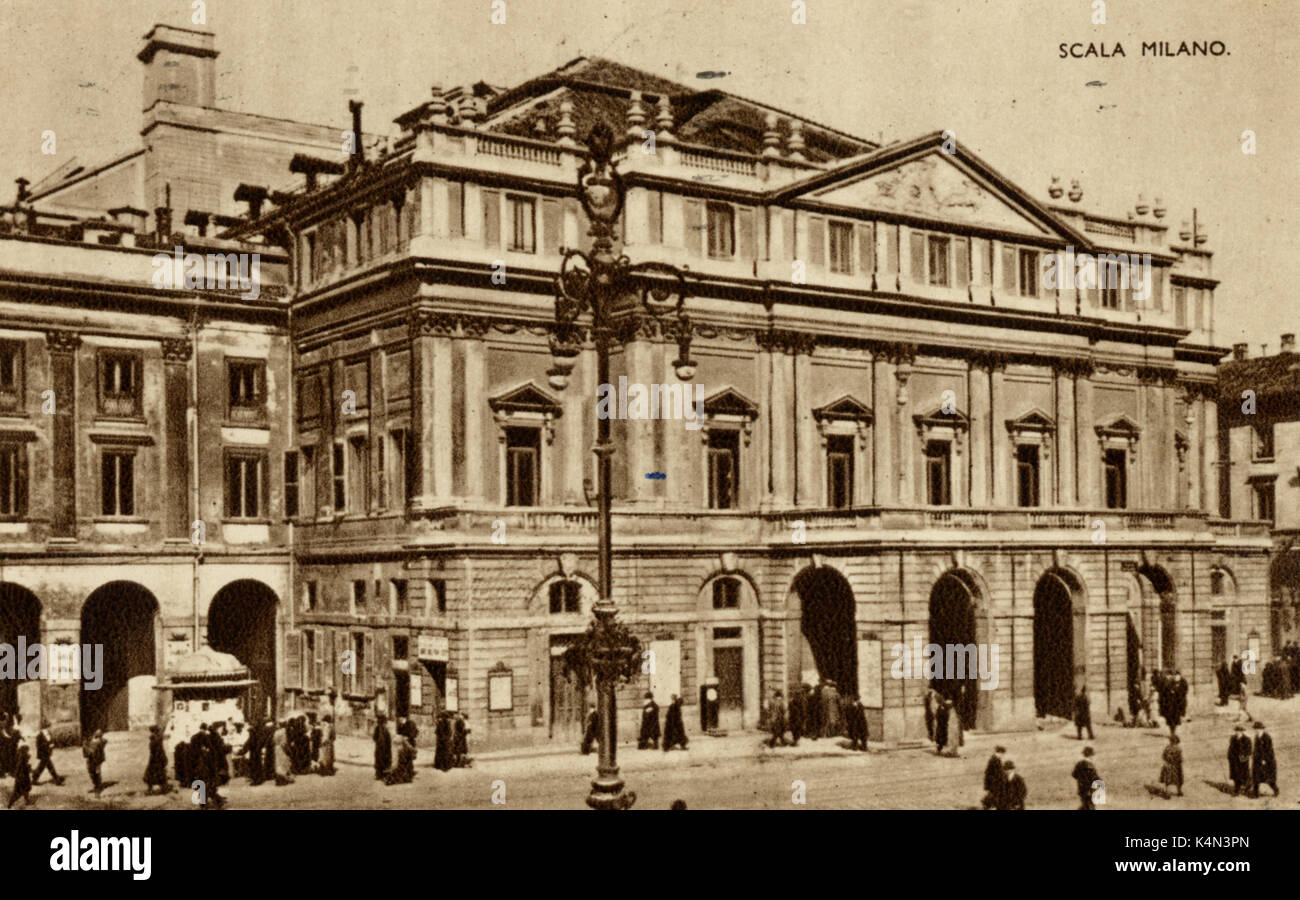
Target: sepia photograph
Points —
{"points": [[649, 404]]}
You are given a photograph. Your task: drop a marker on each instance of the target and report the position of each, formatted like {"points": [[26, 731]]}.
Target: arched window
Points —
{"points": [[566, 597], [726, 593]]}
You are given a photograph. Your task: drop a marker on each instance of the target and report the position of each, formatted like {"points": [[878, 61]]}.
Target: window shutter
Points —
{"points": [[817, 241], [654, 203], [787, 231], [552, 226], [746, 248], [918, 256], [1009, 269], [368, 649], [20, 492], [331, 660], [292, 659], [694, 232], [866, 248], [318, 675], [961, 261], [891, 249], [492, 218]]}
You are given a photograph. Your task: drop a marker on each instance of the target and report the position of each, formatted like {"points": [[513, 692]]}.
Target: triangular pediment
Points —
{"points": [[527, 397], [1122, 427], [847, 407], [730, 402], [1034, 420], [937, 418]]}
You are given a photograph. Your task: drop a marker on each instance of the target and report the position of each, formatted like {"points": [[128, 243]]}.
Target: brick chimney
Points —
{"points": [[1288, 343], [1240, 351], [179, 66]]}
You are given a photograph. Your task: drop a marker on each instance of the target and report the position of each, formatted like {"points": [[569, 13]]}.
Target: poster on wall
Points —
{"points": [[871, 687], [666, 670], [500, 691], [452, 700], [416, 695]]}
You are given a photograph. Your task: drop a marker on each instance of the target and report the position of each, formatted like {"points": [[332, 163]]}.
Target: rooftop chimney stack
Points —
{"points": [[179, 66], [358, 155], [1239, 351], [1288, 343]]}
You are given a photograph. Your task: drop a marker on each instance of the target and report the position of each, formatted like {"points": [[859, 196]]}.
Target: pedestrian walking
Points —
{"points": [[256, 750], [797, 714], [1221, 675], [932, 704], [326, 765], [855, 717], [22, 772], [383, 747], [994, 779], [280, 759], [776, 719], [813, 711], [941, 715], [1171, 773], [93, 750], [155, 772], [1086, 779], [674, 726], [45, 755], [1083, 713], [443, 750], [648, 739], [1239, 758], [1013, 791], [1263, 768]]}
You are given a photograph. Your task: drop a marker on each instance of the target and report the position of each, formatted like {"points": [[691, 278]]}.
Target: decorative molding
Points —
{"points": [[729, 406], [176, 350], [526, 404], [793, 343], [991, 360], [62, 341]]}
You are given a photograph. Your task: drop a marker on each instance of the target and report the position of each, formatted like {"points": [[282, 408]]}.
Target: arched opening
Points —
{"points": [[1058, 640], [1167, 622], [20, 617], [241, 622], [953, 630], [829, 626], [122, 617]]}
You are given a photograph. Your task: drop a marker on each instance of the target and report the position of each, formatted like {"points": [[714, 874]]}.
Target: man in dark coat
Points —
{"points": [[408, 729], [1085, 776], [674, 726], [941, 726], [443, 750], [855, 720], [648, 739], [1239, 756], [44, 755], [591, 731], [1238, 675], [93, 750], [797, 715], [383, 747], [315, 730], [776, 720], [1013, 792], [1263, 768], [1083, 713], [994, 780], [1221, 675], [459, 740], [256, 744], [155, 773], [403, 772], [1178, 701], [813, 710], [22, 770]]}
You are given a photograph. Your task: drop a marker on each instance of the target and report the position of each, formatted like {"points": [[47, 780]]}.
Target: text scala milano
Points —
{"points": [[1149, 48]]}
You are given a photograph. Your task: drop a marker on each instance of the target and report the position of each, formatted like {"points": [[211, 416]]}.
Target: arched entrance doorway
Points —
{"points": [[1159, 582], [1058, 644], [828, 627], [241, 622], [20, 617], [122, 617], [954, 625]]}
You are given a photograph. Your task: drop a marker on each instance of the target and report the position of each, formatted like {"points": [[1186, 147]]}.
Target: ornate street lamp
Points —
{"points": [[610, 293]]}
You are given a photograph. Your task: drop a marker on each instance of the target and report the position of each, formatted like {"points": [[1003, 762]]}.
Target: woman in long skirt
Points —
{"points": [[1171, 774]]}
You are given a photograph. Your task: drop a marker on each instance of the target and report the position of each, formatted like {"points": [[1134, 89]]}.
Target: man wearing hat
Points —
{"points": [[649, 736], [776, 716], [993, 777], [1239, 754], [1013, 791], [1085, 778], [1263, 762]]}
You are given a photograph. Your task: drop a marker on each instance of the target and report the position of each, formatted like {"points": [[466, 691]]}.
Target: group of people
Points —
{"points": [[395, 751], [943, 722], [648, 736], [1281, 677], [816, 713], [15, 757], [1251, 763], [1004, 788]]}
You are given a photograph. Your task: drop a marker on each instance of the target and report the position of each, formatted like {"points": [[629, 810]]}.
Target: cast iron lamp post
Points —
{"points": [[610, 293]]}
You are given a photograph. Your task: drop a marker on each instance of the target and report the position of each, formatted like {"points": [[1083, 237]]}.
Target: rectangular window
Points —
{"points": [[117, 483], [724, 469], [119, 383], [722, 231], [937, 248], [841, 240], [1029, 273], [726, 594], [938, 486], [1108, 281], [1264, 441], [565, 597], [437, 595], [357, 681], [523, 219], [523, 465], [1027, 475], [290, 483], [381, 475], [309, 595], [400, 470], [244, 474], [1116, 463], [11, 376], [340, 478], [839, 471], [1264, 501], [358, 596], [401, 605], [359, 472], [13, 480]]}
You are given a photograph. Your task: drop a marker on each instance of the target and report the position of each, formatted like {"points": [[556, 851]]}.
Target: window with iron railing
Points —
{"points": [[119, 384]]}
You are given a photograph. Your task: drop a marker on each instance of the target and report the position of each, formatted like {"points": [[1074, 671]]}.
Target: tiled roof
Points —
{"points": [[1267, 376]]}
